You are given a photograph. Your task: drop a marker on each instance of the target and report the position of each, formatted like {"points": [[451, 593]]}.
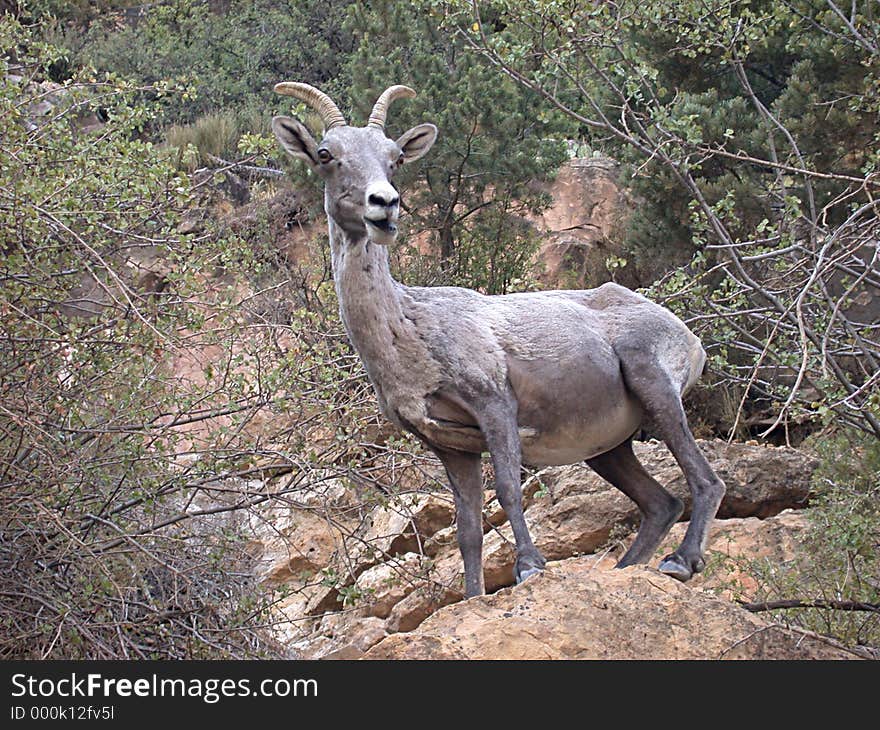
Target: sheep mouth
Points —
{"points": [[383, 224]]}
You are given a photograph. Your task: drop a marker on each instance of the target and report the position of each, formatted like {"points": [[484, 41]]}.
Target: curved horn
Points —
{"points": [[380, 108], [318, 100]]}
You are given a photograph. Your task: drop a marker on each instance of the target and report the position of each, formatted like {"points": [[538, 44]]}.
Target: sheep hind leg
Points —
{"points": [[661, 401], [659, 509]]}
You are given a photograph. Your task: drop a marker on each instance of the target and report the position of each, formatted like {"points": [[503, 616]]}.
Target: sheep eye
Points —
{"points": [[400, 159], [324, 155]]}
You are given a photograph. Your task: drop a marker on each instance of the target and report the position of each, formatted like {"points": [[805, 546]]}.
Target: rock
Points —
{"points": [[580, 229], [324, 491], [292, 542], [761, 480], [385, 585], [576, 524], [432, 513], [299, 600], [498, 559], [441, 541], [420, 604], [731, 543], [734, 543], [570, 511], [341, 636], [493, 514], [293, 620], [499, 555], [313, 599], [579, 523], [404, 525], [575, 610]]}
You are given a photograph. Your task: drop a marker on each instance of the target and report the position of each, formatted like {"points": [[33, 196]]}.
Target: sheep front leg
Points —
{"points": [[499, 427], [466, 480]]}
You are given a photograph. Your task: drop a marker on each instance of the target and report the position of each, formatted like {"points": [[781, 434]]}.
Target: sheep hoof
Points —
{"points": [[527, 573], [527, 565], [680, 568]]}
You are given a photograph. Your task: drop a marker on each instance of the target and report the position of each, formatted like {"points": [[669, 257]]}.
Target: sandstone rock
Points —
{"points": [[324, 491], [289, 624], [731, 542], [532, 488], [765, 479], [498, 559], [432, 513], [493, 514], [579, 523], [570, 511], [323, 600], [576, 524], [761, 480], [574, 611], [314, 599], [499, 555], [420, 604], [579, 229], [441, 541]]}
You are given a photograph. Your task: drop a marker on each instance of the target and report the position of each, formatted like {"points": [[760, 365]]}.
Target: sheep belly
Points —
{"points": [[571, 409], [578, 441], [584, 429]]}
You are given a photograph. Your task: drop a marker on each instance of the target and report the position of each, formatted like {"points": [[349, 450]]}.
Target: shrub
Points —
{"points": [[837, 563], [213, 135], [229, 55], [159, 390], [115, 541]]}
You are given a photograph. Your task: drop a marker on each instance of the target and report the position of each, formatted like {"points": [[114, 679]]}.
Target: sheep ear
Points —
{"points": [[296, 139], [417, 141]]}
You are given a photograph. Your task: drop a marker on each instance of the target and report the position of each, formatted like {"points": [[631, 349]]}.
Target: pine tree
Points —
{"points": [[473, 191]]}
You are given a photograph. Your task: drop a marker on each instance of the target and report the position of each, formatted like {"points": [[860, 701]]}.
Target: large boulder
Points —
{"points": [[402, 564], [575, 610]]}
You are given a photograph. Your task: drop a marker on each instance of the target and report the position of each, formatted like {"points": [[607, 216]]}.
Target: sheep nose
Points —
{"points": [[384, 199]]}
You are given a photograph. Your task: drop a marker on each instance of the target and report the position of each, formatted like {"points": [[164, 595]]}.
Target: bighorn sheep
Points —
{"points": [[544, 378]]}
